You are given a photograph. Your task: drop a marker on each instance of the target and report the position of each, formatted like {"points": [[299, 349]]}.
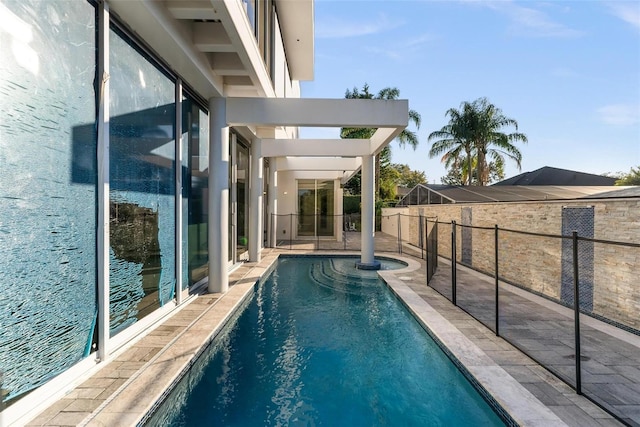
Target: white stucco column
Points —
{"points": [[273, 204], [367, 260], [255, 201], [218, 196]]}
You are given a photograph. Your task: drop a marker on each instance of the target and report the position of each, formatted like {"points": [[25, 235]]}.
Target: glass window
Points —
{"points": [[48, 189], [242, 192], [142, 185], [195, 192], [315, 208]]}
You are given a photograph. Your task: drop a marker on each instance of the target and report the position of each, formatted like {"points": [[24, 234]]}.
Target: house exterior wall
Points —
{"points": [[535, 262], [85, 221]]}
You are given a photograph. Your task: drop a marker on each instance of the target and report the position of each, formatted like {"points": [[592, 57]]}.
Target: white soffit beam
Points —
{"points": [[314, 112], [382, 137], [297, 23], [240, 32], [172, 40], [338, 164], [315, 147], [323, 175], [211, 37]]}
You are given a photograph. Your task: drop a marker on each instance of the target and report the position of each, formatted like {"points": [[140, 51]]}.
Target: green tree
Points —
{"points": [[476, 131], [406, 137], [409, 178], [454, 140], [490, 142], [631, 178]]}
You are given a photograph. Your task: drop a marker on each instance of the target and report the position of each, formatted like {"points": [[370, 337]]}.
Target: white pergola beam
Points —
{"points": [[310, 112], [382, 137], [318, 164], [315, 147]]}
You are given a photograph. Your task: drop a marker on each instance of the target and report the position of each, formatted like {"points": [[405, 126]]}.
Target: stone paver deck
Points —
{"points": [[123, 391]]}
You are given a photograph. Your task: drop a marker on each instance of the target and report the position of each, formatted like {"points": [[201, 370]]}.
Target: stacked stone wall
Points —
{"points": [[535, 261]]}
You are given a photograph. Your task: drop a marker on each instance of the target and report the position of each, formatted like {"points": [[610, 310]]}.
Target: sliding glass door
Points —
{"points": [[315, 208]]}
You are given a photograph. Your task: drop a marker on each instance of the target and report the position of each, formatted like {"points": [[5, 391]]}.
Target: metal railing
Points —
{"points": [[342, 232], [569, 302]]}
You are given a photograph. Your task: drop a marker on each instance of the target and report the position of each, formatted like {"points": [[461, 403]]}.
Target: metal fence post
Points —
{"points": [[399, 234], [453, 263], [271, 239], [344, 232], [497, 288], [421, 236], [576, 310], [290, 231], [426, 259], [315, 218]]}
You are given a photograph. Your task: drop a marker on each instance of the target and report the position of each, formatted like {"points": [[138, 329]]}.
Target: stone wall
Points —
{"points": [[535, 261]]}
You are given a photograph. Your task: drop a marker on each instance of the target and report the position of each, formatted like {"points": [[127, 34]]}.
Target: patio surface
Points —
{"points": [[122, 391]]}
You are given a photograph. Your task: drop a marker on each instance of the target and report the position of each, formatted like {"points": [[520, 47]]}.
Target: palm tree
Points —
{"points": [[405, 137], [475, 130], [454, 139], [487, 133]]}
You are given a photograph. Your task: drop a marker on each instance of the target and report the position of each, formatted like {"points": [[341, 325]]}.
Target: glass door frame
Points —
{"points": [[317, 185], [237, 144]]}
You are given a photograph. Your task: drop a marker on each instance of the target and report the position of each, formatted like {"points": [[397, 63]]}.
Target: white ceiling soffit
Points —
{"points": [[315, 147], [318, 112], [341, 164], [297, 23], [209, 43]]}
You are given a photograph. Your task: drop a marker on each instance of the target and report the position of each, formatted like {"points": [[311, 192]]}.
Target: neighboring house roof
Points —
{"points": [[437, 194], [554, 176]]}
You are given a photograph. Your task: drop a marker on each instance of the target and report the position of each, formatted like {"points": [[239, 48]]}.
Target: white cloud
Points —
{"points": [[403, 49], [620, 114], [334, 28], [627, 11], [529, 22]]}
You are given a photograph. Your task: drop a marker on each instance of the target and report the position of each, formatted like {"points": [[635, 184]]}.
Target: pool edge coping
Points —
{"points": [[505, 393]]}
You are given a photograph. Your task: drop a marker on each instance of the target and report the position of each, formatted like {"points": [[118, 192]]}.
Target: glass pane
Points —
{"points": [[48, 190], [197, 189], [142, 181], [325, 208], [242, 188], [306, 207], [231, 199]]}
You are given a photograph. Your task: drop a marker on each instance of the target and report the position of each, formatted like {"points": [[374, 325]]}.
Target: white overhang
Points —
{"points": [[297, 19], [318, 164], [315, 147], [341, 156]]}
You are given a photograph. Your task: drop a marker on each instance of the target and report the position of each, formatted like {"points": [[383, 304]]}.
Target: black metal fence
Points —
{"points": [[343, 232], [569, 302]]}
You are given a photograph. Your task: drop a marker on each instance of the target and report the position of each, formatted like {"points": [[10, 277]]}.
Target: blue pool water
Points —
{"points": [[321, 343]]}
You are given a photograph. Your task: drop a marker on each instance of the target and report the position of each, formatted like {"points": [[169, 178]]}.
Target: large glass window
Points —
{"points": [[242, 201], [142, 185], [315, 208], [195, 214], [47, 189]]}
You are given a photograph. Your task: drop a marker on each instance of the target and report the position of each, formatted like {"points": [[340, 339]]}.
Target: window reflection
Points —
{"points": [[142, 186], [47, 191], [195, 191]]}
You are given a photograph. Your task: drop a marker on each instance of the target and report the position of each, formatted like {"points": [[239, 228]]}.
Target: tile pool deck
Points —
{"points": [[122, 391]]}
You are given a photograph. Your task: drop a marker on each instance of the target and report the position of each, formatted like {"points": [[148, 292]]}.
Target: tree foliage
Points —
{"points": [[631, 178], [473, 144], [406, 137], [409, 178]]}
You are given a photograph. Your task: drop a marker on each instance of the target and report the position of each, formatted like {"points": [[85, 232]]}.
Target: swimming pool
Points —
{"points": [[321, 343]]}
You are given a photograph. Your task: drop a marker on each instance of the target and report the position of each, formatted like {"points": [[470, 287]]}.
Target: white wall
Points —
{"points": [[390, 220], [288, 203]]}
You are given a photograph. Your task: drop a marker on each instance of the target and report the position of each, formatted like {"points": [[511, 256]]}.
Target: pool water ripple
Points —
{"points": [[304, 354]]}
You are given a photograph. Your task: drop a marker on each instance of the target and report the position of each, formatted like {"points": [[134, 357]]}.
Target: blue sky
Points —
{"points": [[567, 71]]}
